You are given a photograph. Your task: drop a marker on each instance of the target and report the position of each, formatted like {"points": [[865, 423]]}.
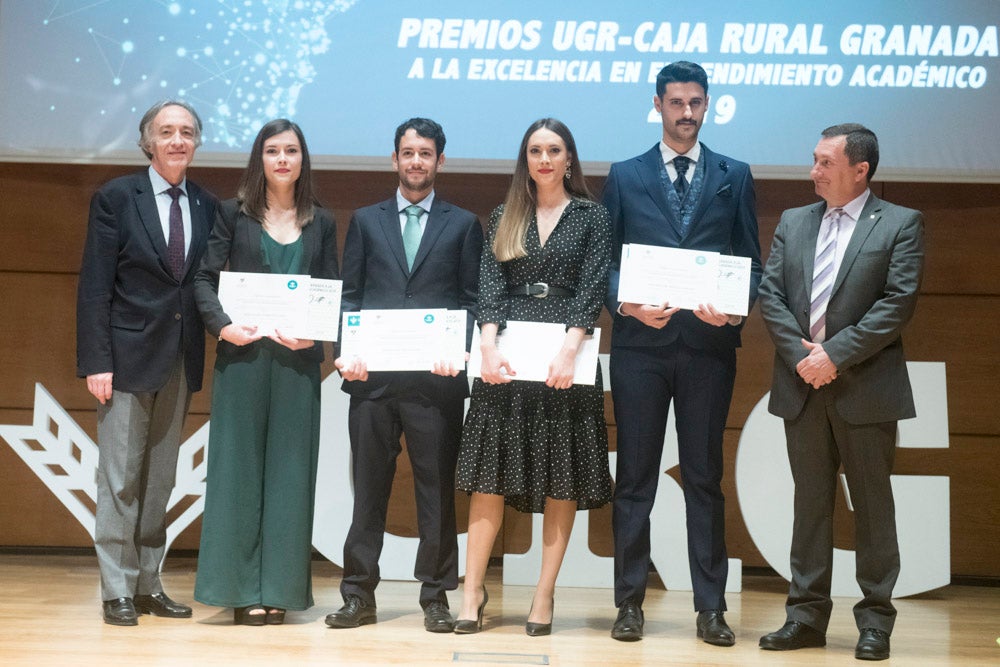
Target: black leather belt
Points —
{"points": [[539, 290]]}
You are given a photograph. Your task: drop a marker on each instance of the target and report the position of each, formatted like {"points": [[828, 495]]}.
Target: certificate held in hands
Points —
{"points": [[530, 347], [684, 278], [297, 305], [410, 339]]}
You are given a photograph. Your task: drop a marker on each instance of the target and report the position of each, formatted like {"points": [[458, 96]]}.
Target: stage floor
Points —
{"points": [[50, 615]]}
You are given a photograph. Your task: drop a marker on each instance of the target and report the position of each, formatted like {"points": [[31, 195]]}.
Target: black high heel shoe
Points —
{"points": [[275, 615], [533, 629], [467, 627]]}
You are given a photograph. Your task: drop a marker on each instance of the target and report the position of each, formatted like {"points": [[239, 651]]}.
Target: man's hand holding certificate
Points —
{"points": [[404, 340], [684, 278]]}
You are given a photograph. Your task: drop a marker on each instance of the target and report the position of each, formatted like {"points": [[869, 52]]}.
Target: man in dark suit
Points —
{"points": [[678, 194], [411, 251], [141, 346], [840, 284]]}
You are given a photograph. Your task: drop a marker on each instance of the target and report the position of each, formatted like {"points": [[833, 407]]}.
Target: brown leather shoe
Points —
{"points": [[793, 635], [158, 604]]}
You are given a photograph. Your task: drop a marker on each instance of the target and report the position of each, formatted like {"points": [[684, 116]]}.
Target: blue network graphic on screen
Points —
{"points": [[78, 74]]}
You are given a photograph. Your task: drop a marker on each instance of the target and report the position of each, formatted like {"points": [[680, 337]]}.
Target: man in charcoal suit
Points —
{"points": [[840, 284], [414, 250]]}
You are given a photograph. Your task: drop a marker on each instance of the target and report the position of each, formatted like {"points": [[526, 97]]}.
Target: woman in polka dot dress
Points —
{"points": [[538, 446]]}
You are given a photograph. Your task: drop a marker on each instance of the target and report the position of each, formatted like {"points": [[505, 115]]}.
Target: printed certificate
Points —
{"points": [[684, 278], [297, 305], [405, 339], [530, 347]]}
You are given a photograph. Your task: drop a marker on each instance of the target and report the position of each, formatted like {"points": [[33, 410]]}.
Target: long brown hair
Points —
{"points": [[252, 190], [522, 197]]}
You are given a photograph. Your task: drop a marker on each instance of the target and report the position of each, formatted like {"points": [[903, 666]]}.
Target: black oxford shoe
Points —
{"points": [[873, 644], [793, 635], [437, 618], [713, 629], [158, 604], [353, 614], [628, 625], [120, 611]]}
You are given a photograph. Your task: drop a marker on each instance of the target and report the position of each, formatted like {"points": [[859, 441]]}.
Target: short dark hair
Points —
{"points": [[145, 125], [424, 127], [861, 144], [252, 190], [681, 71]]}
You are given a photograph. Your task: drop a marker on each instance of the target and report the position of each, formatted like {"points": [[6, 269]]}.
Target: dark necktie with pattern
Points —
{"points": [[681, 164], [175, 244]]}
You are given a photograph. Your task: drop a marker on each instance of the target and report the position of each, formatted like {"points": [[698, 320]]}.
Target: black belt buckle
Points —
{"points": [[538, 295]]}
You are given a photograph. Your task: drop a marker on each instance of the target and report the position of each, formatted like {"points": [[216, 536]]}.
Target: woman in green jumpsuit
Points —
{"points": [[256, 539]]}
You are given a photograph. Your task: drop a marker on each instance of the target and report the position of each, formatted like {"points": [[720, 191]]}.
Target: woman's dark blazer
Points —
{"points": [[234, 245]]}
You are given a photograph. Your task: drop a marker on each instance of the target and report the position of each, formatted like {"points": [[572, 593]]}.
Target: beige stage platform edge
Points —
{"points": [[50, 615]]}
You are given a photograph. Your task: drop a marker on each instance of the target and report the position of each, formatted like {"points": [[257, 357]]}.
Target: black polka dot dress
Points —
{"points": [[524, 440]]}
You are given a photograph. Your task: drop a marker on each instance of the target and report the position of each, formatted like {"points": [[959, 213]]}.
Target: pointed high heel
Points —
{"points": [[467, 627], [533, 629]]}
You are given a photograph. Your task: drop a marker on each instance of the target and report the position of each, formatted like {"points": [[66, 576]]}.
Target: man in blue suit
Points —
{"points": [[678, 194], [414, 250], [141, 346]]}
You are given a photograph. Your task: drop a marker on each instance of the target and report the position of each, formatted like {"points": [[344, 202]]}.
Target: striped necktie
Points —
{"points": [[823, 276]]}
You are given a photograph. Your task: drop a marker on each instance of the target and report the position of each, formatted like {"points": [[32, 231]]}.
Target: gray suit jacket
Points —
{"points": [[873, 297]]}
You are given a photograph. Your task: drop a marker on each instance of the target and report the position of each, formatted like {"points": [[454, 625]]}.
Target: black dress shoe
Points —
{"points": [[873, 644], [437, 618], [628, 625], [793, 635], [158, 604], [713, 629], [354, 613], [120, 611]]}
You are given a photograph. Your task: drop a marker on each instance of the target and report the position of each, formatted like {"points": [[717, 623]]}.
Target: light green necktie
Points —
{"points": [[411, 233]]}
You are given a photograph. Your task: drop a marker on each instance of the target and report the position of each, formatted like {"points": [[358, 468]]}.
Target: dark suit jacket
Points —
{"points": [[724, 221], [445, 275], [132, 315], [874, 295], [235, 246]]}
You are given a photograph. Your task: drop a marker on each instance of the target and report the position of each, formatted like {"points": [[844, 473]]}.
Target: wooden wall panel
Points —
{"points": [[43, 211]]}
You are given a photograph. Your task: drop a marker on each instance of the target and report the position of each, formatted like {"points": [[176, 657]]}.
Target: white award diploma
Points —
{"points": [[684, 278], [323, 312], [733, 295], [268, 301], [530, 347], [409, 339]]}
